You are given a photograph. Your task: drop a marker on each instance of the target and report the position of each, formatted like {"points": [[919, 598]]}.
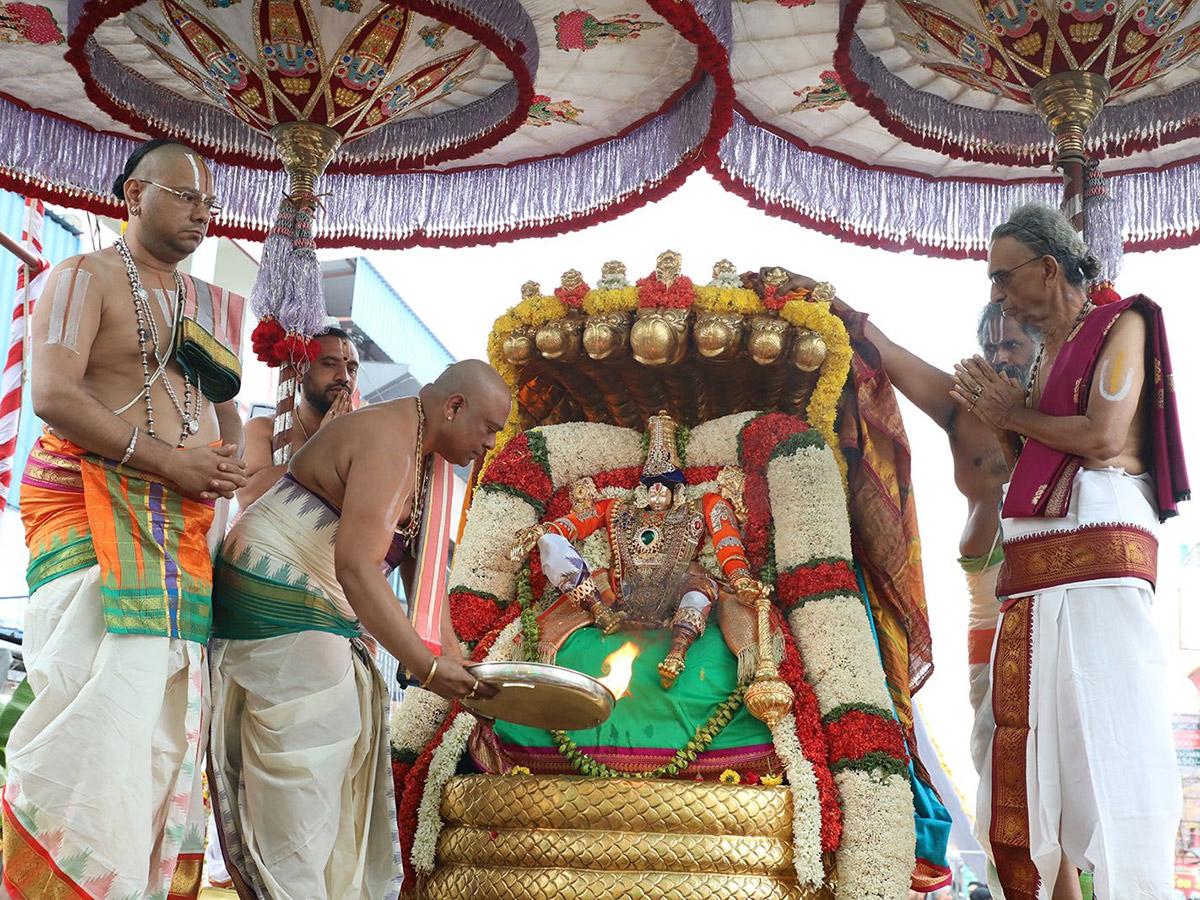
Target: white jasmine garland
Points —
{"points": [[806, 803], [481, 560], [449, 752], [715, 442], [809, 506], [441, 769], [416, 719], [578, 449], [838, 652], [877, 853]]}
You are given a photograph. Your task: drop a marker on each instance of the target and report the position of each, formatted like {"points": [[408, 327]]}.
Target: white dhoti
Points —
{"points": [[300, 747], [301, 757], [104, 795], [1100, 776], [982, 615]]}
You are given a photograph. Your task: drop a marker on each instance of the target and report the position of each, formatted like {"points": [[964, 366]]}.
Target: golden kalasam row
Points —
{"points": [[656, 336]]}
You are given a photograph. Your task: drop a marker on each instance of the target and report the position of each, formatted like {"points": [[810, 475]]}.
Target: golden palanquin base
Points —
{"points": [[525, 838]]}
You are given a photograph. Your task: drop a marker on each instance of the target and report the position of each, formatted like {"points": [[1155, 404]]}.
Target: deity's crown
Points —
{"points": [[662, 457]]}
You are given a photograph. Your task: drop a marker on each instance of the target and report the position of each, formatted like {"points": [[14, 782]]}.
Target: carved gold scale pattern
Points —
{"points": [[526, 838]]}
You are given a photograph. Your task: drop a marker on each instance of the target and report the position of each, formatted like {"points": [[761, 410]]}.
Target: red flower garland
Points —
{"points": [[515, 467], [471, 615], [811, 737], [572, 297], [773, 300], [680, 294], [758, 439], [858, 733], [408, 798], [806, 581]]}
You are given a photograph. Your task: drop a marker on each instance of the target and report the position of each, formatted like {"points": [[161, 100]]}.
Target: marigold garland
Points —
{"points": [[611, 300], [711, 298], [822, 405]]}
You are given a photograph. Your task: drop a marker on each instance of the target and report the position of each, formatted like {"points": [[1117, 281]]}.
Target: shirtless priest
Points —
{"points": [[299, 741], [134, 370]]}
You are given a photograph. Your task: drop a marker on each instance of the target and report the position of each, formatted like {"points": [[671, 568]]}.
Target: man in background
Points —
{"points": [[326, 392]]}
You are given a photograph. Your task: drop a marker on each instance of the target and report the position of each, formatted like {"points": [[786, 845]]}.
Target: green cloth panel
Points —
{"points": [[248, 607], [17, 704], [650, 717], [59, 561]]}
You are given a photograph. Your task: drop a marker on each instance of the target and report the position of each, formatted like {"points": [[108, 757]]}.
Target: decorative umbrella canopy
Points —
{"points": [[454, 121], [916, 125], [891, 122]]}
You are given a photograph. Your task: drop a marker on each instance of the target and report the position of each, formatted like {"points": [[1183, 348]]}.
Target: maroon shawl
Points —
{"points": [[1043, 477]]}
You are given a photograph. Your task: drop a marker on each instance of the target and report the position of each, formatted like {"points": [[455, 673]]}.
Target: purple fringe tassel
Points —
{"points": [[1018, 132], [407, 139]]}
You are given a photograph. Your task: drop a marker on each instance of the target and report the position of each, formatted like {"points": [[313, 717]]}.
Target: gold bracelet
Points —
{"points": [[428, 678]]}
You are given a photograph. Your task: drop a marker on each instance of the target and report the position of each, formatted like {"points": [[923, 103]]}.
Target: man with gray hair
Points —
{"points": [[1081, 764]]}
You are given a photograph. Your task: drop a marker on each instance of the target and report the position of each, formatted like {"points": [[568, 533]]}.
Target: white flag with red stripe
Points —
{"points": [[14, 361]]}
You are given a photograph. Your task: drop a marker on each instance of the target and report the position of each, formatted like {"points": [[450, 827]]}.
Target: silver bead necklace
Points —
{"points": [[148, 329]]}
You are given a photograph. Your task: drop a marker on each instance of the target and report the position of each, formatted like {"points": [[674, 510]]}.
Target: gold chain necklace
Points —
{"points": [[412, 527]]}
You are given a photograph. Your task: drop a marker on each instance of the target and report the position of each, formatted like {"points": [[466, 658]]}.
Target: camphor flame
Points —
{"points": [[619, 666]]}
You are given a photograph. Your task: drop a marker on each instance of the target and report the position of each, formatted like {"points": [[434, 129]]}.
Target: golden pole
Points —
{"points": [[769, 698]]}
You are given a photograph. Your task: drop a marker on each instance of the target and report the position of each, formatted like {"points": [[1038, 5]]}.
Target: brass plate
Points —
{"points": [[540, 695]]}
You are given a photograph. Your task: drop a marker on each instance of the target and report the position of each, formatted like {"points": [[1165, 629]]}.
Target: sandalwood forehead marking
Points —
{"points": [[195, 170]]}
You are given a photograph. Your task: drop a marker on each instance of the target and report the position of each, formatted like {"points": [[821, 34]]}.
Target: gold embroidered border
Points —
{"points": [[1042, 561], [185, 881], [1009, 828]]}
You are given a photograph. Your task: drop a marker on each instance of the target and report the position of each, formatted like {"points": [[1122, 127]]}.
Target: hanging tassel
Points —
{"points": [[1103, 229], [288, 294]]}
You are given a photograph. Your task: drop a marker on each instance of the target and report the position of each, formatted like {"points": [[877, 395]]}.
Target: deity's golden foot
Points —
{"points": [[669, 669]]}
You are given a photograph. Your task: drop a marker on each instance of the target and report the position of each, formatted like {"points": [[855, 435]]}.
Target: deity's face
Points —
{"points": [[661, 497]]}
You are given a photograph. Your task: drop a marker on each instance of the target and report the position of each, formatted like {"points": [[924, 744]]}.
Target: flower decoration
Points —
{"points": [[518, 770], [679, 294], [729, 776], [772, 780]]}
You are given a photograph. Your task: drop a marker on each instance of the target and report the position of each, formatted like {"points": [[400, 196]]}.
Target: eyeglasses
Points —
{"points": [[191, 198], [1000, 277]]}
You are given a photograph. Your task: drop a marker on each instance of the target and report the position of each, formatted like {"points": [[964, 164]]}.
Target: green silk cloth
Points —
{"points": [[649, 725]]}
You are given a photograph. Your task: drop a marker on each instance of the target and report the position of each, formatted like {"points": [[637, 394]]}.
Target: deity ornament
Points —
{"points": [[531, 290], [808, 351], [605, 335], [559, 339], [725, 274], [669, 267], [659, 336], [612, 276], [655, 579], [776, 278], [822, 292], [718, 335], [518, 347], [769, 338]]}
